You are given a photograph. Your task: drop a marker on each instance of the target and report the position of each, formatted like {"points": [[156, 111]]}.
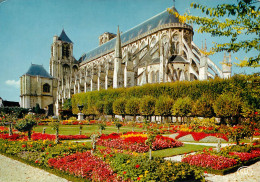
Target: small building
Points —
{"points": [[37, 87], [5, 103]]}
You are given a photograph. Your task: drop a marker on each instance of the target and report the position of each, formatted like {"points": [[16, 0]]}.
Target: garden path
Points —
{"points": [[15, 171]]}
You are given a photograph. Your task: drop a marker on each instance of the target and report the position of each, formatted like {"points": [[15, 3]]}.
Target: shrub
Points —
{"points": [[182, 107], [147, 106], [119, 106], [163, 106], [132, 107], [203, 107], [26, 125], [227, 105]]}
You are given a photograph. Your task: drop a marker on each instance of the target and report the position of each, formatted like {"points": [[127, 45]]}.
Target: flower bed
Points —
{"points": [[227, 159], [210, 161], [197, 136], [246, 156], [84, 165], [40, 136], [136, 142]]}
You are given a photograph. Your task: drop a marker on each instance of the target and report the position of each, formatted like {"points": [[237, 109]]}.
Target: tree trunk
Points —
{"points": [[10, 129], [57, 139], [29, 134]]}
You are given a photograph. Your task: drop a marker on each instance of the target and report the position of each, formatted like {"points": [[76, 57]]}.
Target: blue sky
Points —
{"points": [[28, 26]]}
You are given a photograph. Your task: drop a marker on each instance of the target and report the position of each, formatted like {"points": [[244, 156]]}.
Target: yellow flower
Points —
{"points": [[141, 176], [144, 154], [183, 172], [169, 164], [128, 161], [176, 164]]}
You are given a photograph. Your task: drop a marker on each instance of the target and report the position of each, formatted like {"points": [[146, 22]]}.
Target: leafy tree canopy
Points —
{"points": [[239, 22]]}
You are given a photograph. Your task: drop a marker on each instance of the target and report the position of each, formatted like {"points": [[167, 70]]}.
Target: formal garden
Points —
{"points": [[155, 122]]}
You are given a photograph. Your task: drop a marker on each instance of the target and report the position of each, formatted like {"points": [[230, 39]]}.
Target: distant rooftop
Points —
{"points": [[38, 70], [63, 37]]}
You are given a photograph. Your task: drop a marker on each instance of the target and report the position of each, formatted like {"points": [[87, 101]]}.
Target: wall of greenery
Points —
{"points": [[244, 87]]}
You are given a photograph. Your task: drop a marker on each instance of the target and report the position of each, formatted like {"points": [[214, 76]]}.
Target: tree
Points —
{"points": [[132, 107], [100, 107], [67, 105], [108, 107], [119, 107], [182, 107], [239, 22], [118, 124], [26, 125], [147, 106], [56, 127], [203, 107], [228, 105], [163, 106]]}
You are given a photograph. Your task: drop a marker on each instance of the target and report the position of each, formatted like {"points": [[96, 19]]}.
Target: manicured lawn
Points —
{"points": [[87, 129], [186, 148]]}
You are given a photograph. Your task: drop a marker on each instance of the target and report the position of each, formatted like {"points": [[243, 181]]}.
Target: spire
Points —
{"points": [[205, 44], [63, 37], [118, 50], [229, 57], [225, 57], [202, 45]]}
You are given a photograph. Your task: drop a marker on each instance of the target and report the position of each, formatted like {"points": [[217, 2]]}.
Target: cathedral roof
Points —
{"points": [[63, 37], [37, 70], [161, 19]]}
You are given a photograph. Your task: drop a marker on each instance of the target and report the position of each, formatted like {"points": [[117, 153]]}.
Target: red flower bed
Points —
{"points": [[245, 156], [11, 137], [84, 165], [210, 161], [40, 136], [197, 136], [136, 143]]}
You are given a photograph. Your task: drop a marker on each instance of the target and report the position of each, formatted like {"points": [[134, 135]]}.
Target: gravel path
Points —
{"points": [[15, 171]]}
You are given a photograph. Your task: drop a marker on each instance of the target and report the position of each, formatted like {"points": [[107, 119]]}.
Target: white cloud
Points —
{"points": [[14, 83]]}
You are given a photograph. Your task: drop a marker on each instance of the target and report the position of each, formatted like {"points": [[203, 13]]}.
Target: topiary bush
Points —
{"points": [[26, 124]]}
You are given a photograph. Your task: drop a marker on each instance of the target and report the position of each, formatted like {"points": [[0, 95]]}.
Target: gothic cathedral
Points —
{"points": [[161, 49]]}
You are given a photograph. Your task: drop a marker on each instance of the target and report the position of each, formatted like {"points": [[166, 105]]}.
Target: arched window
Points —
{"points": [[157, 77], [46, 88]]}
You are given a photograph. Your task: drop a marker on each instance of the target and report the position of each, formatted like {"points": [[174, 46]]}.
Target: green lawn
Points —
{"points": [[87, 129], [186, 148]]}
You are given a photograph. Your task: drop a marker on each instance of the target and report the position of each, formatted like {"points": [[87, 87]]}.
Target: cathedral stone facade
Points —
{"points": [[158, 50]]}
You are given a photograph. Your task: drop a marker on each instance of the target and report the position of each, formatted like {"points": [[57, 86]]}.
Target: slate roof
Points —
{"points": [[63, 37], [163, 18], [38, 70], [10, 104], [177, 59]]}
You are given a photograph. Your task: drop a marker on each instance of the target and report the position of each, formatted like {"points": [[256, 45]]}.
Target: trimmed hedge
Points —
{"points": [[246, 87]]}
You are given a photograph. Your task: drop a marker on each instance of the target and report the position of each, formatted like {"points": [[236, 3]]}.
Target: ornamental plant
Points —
{"points": [[147, 106], [203, 107], [182, 107], [163, 106], [132, 107], [228, 105], [119, 107], [55, 126], [118, 124], [26, 124]]}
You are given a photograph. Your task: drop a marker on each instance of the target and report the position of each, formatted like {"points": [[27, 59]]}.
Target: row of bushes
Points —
{"points": [[218, 97]]}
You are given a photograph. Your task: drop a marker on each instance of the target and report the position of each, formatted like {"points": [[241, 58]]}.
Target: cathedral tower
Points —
{"points": [[62, 60]]}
